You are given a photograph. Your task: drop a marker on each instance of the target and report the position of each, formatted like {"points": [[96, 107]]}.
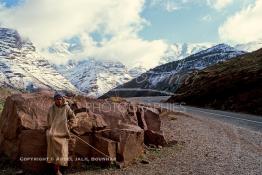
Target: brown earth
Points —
{"points": [[234, 85]]}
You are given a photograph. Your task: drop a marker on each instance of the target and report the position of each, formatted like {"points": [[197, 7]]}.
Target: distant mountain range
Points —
{"points": [[169, 76], [23, 67]]}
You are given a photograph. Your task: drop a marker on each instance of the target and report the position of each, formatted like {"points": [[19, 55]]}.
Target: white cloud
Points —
{"points": [[171, 6], [168, 5], [244, 26], [207, 18], [47, 22], [219, 4]]}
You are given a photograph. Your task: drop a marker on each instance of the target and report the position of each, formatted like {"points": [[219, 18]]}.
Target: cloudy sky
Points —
{"points": [[135, 32]]}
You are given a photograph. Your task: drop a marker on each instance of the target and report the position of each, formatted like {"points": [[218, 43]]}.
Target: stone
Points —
{"points": [[33, 150], [149, 119], [118, 129], [130, 143], [107, 150], [88, 122], [155, 138]]}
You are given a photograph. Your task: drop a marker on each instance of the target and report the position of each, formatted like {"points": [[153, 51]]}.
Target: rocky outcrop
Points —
{"points": [[106, 131]]}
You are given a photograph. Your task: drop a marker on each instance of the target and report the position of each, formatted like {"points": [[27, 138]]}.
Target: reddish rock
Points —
{"points": [[22, 111], [116, 129], [33, 150], [88, 122], [155, 138], [152, 119], [149, 120], [108, 148], [130, 142], [80, 149]]}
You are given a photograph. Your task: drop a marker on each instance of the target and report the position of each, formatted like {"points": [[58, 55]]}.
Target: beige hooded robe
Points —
{"points": [[58, 133]]}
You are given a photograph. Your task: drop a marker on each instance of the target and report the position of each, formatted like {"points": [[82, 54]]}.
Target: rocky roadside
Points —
{"points": [[204, 146]]}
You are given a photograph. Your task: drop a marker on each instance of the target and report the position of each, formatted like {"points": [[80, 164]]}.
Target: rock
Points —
{"points": [[144, 162], [130, 143], [152, 119], [149, 120], [130, 146], [1, 139], [155, 138], [88, 122], [119, 130], [33, 150], [107, 150], [84, 124], [21, 112], [98, 121], [81, 149]]}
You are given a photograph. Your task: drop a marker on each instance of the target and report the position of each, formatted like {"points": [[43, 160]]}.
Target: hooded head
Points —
{"points": [[59, 99]]}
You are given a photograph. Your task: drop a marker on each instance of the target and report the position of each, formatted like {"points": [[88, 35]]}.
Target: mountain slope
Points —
{"points": [[96, 77], [21, 67], [168, 77], [235, 85]]}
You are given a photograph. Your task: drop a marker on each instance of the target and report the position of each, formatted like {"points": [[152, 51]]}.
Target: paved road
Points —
{"points": [[244, 120]]}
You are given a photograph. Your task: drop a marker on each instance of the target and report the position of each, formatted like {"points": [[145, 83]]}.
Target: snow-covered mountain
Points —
{"points": [[179, 51], [168, 77], [95, 77], [22, 67]]}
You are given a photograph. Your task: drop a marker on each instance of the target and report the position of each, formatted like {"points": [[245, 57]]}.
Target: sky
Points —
{"points": [[135, 32]]}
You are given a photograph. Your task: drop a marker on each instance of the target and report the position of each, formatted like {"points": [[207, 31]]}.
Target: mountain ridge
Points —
{"points": [[160, 77], [234, 85], [22, 67]]}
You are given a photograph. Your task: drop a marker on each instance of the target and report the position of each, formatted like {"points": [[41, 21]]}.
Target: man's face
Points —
{"points": [[59, 101]]}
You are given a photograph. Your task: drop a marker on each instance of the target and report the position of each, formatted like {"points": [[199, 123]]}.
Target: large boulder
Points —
{"points": [[106, 131], [22, 112]]}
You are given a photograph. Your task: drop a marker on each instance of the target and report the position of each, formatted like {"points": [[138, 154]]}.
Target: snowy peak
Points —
{"points": [[179, 51], [12, 43], [220, 49], [96, 77], [21, 67]]}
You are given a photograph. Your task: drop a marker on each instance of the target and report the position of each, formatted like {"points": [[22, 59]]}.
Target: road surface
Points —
{"points": [[244, 120]]}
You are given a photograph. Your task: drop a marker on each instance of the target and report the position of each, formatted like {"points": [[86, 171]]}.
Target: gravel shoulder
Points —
{"points": [[204, 146]]}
